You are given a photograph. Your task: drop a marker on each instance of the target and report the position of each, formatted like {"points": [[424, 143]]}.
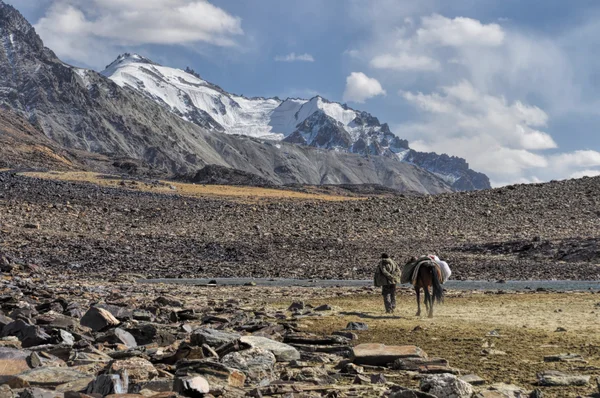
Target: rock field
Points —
{"points": [[543, 231]]}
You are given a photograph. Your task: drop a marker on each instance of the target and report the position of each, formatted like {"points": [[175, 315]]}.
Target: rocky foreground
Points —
{"points": [[539, 231], [65, 337]]}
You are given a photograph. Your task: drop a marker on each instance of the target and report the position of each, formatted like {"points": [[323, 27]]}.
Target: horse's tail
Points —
{"points": [[438, 290]]}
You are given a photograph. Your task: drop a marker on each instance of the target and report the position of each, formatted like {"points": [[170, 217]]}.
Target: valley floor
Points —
{"points": [[84, 222]]}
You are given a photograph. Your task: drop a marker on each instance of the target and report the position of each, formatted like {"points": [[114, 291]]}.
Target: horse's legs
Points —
{"points": [[431, 306], [428, 300], [418, 291]]}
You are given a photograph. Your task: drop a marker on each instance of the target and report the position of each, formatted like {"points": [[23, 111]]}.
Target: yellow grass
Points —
{"points": [[527, 324], [191, 190]]}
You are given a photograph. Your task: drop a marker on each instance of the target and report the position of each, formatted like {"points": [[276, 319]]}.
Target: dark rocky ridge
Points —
{"points": [[85, 228], [462, 178]]}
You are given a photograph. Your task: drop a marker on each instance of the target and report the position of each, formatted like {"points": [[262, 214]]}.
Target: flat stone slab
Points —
{"points": [[48, 377], [12, 362], [283, 352], [382, 355], [473, 380], [556, 378]]}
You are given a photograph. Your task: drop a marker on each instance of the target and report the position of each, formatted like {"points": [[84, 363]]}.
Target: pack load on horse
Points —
{"points": [[425, 272], [387, 276]]}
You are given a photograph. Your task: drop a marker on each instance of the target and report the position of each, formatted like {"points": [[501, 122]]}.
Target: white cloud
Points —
{"points": [[585, 173], [459, 32], [360, 87], [496, 137], [78, 29], [293, 57], [404, 61], [584, 158]]}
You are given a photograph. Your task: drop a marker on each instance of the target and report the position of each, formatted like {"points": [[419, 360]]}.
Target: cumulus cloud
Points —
{"points": [[585, 173], [293, 57], [502, 139], [404, 61], [497, 137], [78, 29], [459, 32], [360, 87]]}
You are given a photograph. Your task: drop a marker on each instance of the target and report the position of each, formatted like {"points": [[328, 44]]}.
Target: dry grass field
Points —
{"points": [[459, 332], [191, 190]]}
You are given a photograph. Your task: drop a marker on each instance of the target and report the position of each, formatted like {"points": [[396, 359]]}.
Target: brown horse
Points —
{"points": [[429, 276]]}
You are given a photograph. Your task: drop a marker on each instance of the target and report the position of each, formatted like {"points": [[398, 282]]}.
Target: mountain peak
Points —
{"points": [[11, 20], [129, 58]]}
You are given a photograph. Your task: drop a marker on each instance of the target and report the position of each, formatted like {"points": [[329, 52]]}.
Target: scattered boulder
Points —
{"points": [[473, 380], [297, 306], [99, 319], [446, 386], [109, 384], [357, 326], [216, 373], [138, 369], [381, 355], [118, 336], [256, 363], [283, 352], [29, 335], [556, 378], [501, 390], [213, 338]]}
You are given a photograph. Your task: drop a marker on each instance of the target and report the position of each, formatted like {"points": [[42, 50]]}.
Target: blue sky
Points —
{"points": [[510, 85]]}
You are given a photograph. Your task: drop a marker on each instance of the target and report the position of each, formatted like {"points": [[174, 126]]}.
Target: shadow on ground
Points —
{"points": [[370, 316]]}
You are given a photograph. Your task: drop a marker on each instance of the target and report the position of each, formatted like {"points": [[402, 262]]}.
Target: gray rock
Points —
{"points": [[504, 391], [283, 352], [138, 369], [556, 378], [446, 386], [191, 386], [109, 384], [297, 305], [382, 355], [147, 333], [48, 377], [99, 319], [6, 391], [66, 337], [29, 335], [118, 336], [213, 338], [256, 363], [473, 380], [357, 326], [408, 393], [37, 393]]}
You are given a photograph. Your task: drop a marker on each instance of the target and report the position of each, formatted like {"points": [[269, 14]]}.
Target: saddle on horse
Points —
{"points": [[411, 269]]}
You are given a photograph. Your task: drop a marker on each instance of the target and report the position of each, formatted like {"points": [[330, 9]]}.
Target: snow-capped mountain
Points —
{"points": [[293, 120], [314, 122], [174, 122]]}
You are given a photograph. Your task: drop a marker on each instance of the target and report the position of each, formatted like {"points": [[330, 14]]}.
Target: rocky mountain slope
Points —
{"points": [[315, 122], [83, 110]]}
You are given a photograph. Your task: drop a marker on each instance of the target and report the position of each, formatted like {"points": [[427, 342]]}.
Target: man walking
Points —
{"points": [[387, 276]]}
